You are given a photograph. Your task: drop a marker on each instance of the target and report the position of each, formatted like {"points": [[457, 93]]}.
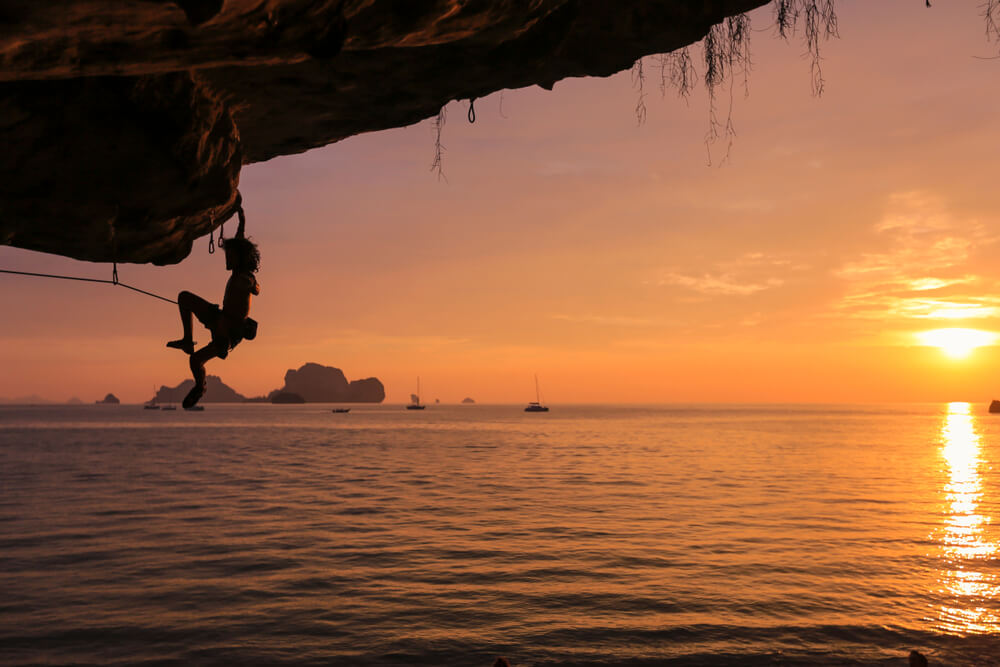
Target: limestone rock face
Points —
{"points": [[216, 391], [97, 160], [326, 384], [368, 390], [125, 122]]}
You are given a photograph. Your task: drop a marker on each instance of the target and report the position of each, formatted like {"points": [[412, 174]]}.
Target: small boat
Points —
{"points": [[536, 405], [150, 406], [196, 408], [169, 407], [415, 399], [341, 410]]}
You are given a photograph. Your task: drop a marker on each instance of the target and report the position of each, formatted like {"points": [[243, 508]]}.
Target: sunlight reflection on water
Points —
{"points": [[965, 545], [599, 535]]}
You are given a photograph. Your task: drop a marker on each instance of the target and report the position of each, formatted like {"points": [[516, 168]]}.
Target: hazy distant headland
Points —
{"points": [[313, 382]]}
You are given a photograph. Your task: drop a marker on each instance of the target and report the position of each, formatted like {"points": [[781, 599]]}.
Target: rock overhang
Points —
{"points": [[126, 122]]}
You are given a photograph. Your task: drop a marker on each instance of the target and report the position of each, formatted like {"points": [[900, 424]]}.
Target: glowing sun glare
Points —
{"points": [[957, 343]]}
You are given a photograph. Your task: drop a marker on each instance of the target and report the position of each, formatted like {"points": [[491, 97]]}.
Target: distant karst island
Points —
{"points": [[110, 399], [310, 383], [35, 399], [468, 400]]}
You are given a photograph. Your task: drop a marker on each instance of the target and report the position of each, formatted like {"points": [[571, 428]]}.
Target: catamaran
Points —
{"points": [[536, 405], [415, 399]]}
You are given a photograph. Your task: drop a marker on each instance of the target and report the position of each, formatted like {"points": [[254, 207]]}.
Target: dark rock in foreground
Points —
{"points": [[326, 384], [124, 125], [110, 399]]}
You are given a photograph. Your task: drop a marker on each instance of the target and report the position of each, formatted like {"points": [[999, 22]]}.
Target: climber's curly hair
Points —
{"points": [[245, 252]]}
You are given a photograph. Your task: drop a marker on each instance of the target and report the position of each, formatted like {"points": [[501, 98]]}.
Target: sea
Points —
{"points": [[591, 535]]}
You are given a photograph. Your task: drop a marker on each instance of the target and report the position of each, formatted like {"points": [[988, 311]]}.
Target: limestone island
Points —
{"points": [[325, 384], [310, 383]]}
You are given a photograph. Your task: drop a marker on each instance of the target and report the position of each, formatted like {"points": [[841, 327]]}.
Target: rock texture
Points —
{"points": [[326, 384], [125, 122]]}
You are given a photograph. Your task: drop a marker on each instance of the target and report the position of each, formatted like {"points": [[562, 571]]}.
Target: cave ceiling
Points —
{"points": [[125, 123]]}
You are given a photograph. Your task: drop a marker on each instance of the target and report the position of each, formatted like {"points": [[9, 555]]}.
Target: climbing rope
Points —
{"points": [[472, 109], [114, 281], [114, 258]]}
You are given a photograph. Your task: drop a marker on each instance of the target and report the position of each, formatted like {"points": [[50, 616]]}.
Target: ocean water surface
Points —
{"points": [[619, 535]]}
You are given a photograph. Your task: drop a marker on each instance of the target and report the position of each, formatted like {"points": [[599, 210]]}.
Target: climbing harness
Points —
{"points": [[472, 109], [114, 259]]}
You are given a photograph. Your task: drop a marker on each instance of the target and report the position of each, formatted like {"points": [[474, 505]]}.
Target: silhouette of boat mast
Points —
{"points": [[536, 405], [415, 399]]}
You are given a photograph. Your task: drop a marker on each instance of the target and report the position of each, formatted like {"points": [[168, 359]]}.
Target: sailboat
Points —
{"points": [[415, 399], [152, 404], [536, 405]]}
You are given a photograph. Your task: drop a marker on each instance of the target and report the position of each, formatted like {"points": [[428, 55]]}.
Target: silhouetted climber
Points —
{"points": [[230, 324]]}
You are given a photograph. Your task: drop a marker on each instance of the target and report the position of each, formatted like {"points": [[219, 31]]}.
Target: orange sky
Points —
{"points": [[605, 256]]}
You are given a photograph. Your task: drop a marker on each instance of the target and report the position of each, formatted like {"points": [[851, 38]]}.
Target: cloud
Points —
{"points": [[748, 274], [719, 284], [922, 272], [876, 306]]}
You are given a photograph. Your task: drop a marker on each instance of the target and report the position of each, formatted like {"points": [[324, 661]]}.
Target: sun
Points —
{"points": [[957, 343]]}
